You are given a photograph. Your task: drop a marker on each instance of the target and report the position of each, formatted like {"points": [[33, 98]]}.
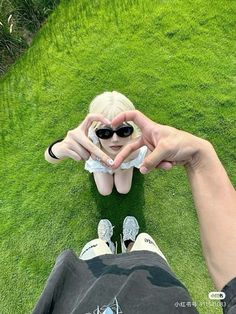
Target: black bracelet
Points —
{"points": [[50, 149]]}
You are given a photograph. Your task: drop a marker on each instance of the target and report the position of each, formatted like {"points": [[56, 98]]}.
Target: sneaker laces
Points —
{"points": [[130, 234], [105, 234]]}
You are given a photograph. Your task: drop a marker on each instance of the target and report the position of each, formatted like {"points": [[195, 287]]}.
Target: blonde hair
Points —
{"points": [[110, 104]]}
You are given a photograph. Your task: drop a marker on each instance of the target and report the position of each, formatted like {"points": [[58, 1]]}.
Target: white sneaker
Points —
{"points": [[130, 231], [105, 232]]}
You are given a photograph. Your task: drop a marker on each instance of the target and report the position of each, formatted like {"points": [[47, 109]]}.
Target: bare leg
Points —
{"points": [[123, 180], [129, 248], [104, 182]]}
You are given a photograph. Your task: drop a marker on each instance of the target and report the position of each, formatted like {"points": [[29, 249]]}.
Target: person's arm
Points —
{"points": [[215, 200], [213, 193], [76, 145], [67, 148], [51, 155]]}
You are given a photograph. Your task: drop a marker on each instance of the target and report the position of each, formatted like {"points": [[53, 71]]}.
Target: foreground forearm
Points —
{"points": [[215, 200]]}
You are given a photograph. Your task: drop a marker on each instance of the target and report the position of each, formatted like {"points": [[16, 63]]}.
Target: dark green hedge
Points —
{"points": [[19, 21]]}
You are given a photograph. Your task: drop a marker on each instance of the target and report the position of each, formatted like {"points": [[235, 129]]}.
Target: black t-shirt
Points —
{"points": [[129, 283]]}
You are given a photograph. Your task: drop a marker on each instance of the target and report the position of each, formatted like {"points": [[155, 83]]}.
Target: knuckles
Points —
{"points": [[70, 133], [165, 146]]}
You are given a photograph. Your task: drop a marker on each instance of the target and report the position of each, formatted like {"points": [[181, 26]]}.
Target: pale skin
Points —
{"points": [[213, 193], [75, 146], [122, 178]]}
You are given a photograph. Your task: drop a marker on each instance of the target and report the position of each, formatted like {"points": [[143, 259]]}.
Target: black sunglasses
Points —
{"points": [[107, 132]]}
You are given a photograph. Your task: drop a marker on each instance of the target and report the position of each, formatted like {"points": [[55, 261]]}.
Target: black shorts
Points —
{"points": [[229, 303]]}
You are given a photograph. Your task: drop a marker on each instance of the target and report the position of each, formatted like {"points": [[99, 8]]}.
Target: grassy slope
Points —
{"points": [[173, 59]]}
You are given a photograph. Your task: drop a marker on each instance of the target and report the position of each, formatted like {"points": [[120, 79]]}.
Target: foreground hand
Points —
{"points": [[168, 145], [78, 146]]}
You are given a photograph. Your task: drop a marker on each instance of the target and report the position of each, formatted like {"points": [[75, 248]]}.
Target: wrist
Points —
{"points": [[56, 150], [52, 154], [202, 157]]}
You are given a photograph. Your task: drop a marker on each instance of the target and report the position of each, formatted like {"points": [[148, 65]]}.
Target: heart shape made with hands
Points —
{"points": [[145, 125], [150, 132], [82, 138]]}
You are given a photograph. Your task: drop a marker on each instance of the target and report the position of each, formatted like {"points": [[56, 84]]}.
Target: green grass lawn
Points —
{"points": [[174, 60]]}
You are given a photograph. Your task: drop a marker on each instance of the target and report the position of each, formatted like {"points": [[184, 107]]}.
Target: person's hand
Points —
{"points": [[168, 146], [78, 146]]}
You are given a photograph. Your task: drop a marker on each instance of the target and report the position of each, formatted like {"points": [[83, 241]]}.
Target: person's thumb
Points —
{"points": [[152, 161]]}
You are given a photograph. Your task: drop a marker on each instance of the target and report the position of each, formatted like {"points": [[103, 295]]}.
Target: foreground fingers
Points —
{"points": [[166, 165], [136, 116], [155, 159], [127, 150]]}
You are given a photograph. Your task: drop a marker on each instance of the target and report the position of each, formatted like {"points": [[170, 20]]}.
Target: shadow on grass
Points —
{"points": [[116, 207]]}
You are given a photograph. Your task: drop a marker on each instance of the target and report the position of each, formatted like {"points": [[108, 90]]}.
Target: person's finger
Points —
{"points": [[136, 116], [127, 150], [93, 149], [153, 159], [97, 159], [73, 155], [79, 149], [81, 135], [166, 165], [87, 122], [94, 157]]}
